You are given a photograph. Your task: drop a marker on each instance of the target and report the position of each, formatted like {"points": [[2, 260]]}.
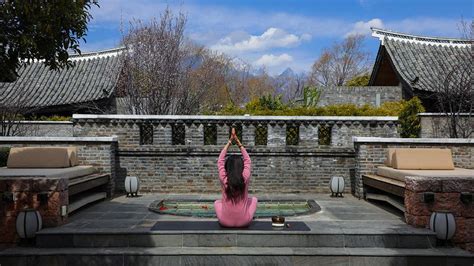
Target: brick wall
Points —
{"points": [[277, 167], [44, 128], [25, 192], [360, 95], [434, 125], [447, 197], [194, 169]]}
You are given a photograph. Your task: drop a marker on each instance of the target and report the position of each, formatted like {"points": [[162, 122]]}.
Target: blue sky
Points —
{"points": [[277, 34]]}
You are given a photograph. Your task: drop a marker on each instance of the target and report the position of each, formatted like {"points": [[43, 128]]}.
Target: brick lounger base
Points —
{"points": [[447, 197], [24, 193]]}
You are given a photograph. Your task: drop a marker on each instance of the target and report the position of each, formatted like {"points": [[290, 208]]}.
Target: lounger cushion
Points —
{"points": [[401, 174], [42, 157], [423, 159], [388, 159], [70, 172], [72, 153]]}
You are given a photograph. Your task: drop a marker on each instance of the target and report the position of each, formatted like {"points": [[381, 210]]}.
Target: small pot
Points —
{"points": [[278, 221]]}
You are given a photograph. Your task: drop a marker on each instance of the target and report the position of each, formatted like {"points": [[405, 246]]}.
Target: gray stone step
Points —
{"points": [[234, 256], [136, 238]]}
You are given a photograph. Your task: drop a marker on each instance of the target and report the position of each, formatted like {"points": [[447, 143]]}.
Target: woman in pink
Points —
{"points": [[235, 209]]}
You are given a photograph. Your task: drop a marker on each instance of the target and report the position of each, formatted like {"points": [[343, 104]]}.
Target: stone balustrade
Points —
{"points": [[179, 153], [276, 131]]}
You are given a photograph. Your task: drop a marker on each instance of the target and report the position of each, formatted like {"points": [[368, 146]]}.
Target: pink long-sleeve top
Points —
{"points": [[235, 214]]}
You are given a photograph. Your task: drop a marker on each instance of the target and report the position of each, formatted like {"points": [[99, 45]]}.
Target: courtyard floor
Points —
{"points": [[347, 231], [337, 214]]}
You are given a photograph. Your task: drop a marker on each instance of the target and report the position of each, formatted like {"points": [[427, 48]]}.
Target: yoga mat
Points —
{"points": [[214, 225]]}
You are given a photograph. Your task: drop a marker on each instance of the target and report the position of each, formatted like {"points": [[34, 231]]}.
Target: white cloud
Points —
{"points": [[208, 23], [216, 20], [270, 60], [363, 27], [271, 38]]}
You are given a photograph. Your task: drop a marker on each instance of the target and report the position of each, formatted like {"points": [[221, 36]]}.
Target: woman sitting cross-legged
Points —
{"points": [[235, 209]]}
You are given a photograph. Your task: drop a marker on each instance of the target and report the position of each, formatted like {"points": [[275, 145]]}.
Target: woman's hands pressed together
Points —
{"points": [[233, 136]]}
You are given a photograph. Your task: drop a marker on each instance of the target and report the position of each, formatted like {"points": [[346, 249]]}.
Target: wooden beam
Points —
{"points": [[388, 185]]}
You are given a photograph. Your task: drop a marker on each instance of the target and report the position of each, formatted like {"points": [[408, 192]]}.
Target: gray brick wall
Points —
{"points": [[162, 167], [342, 133], [435, 125], [359, 95], [44, 128], [194, 169]]}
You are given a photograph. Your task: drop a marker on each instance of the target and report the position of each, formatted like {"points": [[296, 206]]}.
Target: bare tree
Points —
{"points": [[321, 71], [12, 112], [237, 82], [455, 99], [466, 29], [155, 67], [296, 87], [291, 86], [454, 92], [206, 83], [340, 63], [260, 85]]}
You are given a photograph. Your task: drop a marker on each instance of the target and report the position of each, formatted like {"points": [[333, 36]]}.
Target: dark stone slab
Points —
{"points": [[210, 240], [236, 260], [214, 225], [152, 260], [323, 260], [87, 240], [143, 240], [55, 240], [387, 241], [293, 240], [377, 261]]}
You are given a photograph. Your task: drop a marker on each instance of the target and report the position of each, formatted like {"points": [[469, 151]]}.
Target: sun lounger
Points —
{"points": [[85, 183], [388, 182]]}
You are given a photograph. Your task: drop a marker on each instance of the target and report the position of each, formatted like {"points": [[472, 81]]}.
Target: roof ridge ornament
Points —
{"points": [[97, 54], [393, 35]]}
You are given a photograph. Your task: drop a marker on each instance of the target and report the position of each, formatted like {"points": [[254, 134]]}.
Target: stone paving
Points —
{"points": [[347, 231], [122, 213]]}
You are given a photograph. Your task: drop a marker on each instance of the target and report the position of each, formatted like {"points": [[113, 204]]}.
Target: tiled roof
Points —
{"points": [[93, 77], [423, 61]]}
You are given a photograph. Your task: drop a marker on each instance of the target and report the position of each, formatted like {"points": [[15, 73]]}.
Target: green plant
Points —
{"points": [[53, 118], [4, 152], [410, 126], [273, 106], [266, 103], [362, 80], [311, 96], [45, 30]]}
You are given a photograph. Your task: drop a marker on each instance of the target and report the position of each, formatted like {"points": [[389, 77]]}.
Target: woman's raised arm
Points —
{"points": [[247, 161], [221, 163]]}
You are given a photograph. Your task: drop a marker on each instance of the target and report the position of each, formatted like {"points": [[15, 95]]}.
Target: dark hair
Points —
{"points": [[234, 166]]}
